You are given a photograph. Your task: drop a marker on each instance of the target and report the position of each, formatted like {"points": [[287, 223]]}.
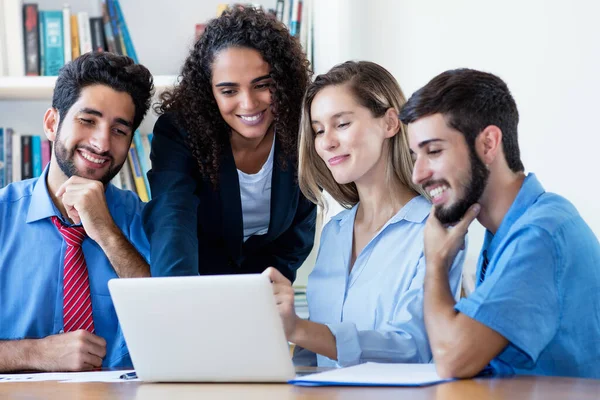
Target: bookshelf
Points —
{"points": [[23, 100], [41, 87]]}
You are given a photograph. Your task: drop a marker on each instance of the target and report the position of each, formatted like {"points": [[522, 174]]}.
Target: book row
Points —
{"points": [[24, 156], [36, 42]]}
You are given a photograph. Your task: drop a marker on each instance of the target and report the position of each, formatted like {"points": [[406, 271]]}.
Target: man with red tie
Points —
{"points": [[65, 234]]}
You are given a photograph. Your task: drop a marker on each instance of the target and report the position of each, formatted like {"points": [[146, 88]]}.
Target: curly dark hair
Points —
{"points": [[192, 101], [118, 72]]}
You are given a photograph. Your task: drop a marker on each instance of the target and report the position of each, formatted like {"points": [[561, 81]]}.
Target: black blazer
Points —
{"points": [[193, 228]]}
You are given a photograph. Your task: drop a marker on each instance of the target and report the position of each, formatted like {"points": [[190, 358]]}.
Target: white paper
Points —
{"points": [[67, 377], [375, 374]]}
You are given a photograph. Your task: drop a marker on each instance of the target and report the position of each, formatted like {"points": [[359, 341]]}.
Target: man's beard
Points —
{"points": [[64, 159], [473, 191]]}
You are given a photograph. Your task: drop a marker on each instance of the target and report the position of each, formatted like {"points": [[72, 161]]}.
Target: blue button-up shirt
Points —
{"points": [[541, 288], [31, 265], [375, 312]]}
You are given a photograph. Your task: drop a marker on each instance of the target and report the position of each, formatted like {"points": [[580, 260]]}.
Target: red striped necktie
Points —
{"points": [[77, 303]]}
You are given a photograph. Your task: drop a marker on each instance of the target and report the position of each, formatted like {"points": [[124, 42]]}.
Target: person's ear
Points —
{"points": [[489, 144], [51, 120], [392, 123]]}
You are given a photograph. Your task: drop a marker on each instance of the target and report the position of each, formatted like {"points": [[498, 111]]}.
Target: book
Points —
{"points": [[75, 46], [12, 16], [108, 33], [2, 160], [26, 165], [85, 36], [68, 52], [296, 17], [126, 37], [304, 25], [287, 13], [112, 14], [279, 9], [126, 177], [31, 38], [8, 163], [136, 172], [144, 158], [51, 42], [46, 152], [97, 30], [36, 156], [16, 157]]}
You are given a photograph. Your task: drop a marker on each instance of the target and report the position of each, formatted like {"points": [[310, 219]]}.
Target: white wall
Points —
{"points": [[547, 51]]}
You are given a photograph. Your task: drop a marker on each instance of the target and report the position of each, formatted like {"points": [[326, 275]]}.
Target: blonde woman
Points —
{"points": [[365, 294]]}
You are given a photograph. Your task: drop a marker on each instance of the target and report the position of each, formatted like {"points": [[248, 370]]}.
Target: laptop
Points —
{"points": [[218, 328]]}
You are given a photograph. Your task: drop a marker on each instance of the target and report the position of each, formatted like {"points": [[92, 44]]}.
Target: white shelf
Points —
{"points": [[41, 87]]}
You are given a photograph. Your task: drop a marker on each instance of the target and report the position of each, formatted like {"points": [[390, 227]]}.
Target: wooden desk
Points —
{"points": [[515, 388]]}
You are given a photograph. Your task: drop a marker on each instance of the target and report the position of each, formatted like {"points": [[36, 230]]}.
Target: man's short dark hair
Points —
{"points": [[470, 101], [118, 72]]}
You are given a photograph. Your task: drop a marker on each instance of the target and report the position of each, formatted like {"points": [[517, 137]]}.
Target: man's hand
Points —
{"points": [[85, 203], [441, 243], [284, 297], [72, 351]]}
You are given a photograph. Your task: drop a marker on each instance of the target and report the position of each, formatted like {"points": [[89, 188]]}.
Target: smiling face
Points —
{"points": [[241, 85], [347, 137], [446, 167], [94, 136]]}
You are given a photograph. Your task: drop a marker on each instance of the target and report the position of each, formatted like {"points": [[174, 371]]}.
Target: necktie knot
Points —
{"points": [[73, 235]]}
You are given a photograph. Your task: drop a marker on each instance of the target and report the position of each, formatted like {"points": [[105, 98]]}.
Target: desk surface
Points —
{"points": [[515, 388]]}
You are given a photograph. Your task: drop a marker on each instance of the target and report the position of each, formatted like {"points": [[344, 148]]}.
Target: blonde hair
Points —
{"points": [[375, 89]]}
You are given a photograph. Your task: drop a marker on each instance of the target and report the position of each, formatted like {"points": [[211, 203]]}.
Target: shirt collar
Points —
{"points": [[416, 210], [41, 205], [530, 191]]}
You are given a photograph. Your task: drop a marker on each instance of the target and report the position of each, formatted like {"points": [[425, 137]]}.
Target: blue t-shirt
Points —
{"points": [[31, 265], [541, 288]]}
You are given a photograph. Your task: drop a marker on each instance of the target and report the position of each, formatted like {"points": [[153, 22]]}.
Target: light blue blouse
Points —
{"points": [[376, 311]]}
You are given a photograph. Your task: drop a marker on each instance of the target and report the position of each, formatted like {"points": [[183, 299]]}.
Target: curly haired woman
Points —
{"points": [[225, 196]]}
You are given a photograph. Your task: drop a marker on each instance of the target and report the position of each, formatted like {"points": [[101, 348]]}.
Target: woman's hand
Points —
{"points": [[284, 297]]}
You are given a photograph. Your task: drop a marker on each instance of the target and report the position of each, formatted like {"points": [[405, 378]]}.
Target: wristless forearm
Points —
{"points": [[316, 338], [125, 259], [18, 355]]}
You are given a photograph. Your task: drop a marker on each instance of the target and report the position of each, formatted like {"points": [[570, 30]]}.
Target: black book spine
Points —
{"points": [[26, 170], [31, 36], [98, 40]]}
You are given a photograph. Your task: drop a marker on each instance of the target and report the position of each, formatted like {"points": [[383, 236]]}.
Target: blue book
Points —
{"points": [[112, 13], [124, 31], [36, 155], [51, 42], [8, 158]]}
